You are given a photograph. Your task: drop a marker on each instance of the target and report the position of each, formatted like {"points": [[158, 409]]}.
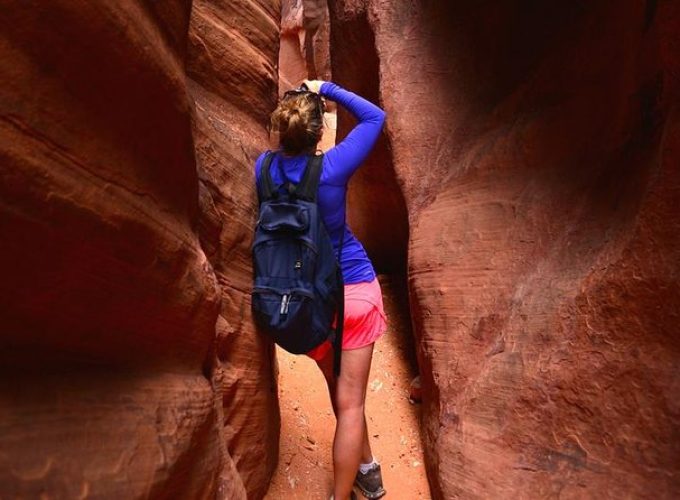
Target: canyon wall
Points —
{"points": [[233, 80], [376, 211], [128, 363], [304, 42], [537, 149]]}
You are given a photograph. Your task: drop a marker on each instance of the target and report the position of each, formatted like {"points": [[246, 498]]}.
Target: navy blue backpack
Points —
{"points": [[298, 286]]}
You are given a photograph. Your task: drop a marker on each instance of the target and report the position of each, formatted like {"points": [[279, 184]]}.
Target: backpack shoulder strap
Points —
{"points": [[309, 184], [266, 188], [340, 319]]}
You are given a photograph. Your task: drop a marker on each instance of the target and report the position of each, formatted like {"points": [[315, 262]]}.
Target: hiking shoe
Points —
{"points": [[370, 483]]}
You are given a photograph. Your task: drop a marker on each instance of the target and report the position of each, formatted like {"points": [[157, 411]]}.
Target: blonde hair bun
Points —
{"points": [[299, 121]]}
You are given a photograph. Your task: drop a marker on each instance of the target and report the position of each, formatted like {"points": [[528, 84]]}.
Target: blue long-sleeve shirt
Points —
{"points": [[339, 163]]}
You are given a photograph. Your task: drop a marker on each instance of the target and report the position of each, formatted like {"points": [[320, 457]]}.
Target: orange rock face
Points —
{"points": [[376, 211], [128, 362], [233, 80], [304, 42], [534, 146], [537, 148]]}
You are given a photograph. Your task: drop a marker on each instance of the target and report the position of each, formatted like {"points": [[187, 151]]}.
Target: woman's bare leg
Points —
{"points": [[326, 367], [350, 431], [366, 453]]}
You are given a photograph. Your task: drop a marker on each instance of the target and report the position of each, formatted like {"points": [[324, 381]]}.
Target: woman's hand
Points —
{"points": [[314, 85]]}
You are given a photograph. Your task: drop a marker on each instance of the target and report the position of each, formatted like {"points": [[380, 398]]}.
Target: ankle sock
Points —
{"points": [[364, 468]]}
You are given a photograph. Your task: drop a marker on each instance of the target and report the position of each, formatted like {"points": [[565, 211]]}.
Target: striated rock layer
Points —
{"points": [[537, 147], [233, 80], [118, 249]]}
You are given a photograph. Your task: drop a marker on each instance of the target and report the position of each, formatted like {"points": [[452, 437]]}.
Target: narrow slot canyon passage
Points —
{"points": [[305, 469], [520, 209], [377, 215]]}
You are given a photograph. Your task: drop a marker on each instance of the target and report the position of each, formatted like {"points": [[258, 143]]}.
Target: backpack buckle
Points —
{"points": [[290, 189]]}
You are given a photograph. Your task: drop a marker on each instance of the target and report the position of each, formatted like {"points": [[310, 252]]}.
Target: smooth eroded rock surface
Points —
{"points": [[108, 303], [537, 148], [304, 42], [121, 375], [233, 80]]}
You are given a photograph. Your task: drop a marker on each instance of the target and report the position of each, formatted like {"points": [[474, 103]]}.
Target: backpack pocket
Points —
{"points": [[285, 263], [286, 316], [286, 217]]}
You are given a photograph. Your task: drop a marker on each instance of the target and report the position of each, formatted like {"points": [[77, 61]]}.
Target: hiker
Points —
{"points": [[299, 121]]}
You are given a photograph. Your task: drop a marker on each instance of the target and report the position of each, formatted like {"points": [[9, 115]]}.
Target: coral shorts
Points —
{"points": [[365, 319]]}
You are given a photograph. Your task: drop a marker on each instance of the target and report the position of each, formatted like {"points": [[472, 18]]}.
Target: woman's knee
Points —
{"points": [[351, 409], [350, 399], [351, 384]]}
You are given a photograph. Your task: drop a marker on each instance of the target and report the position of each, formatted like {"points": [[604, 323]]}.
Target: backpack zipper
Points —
{"points": [[298, 262], [290, 291], [285, 299]]}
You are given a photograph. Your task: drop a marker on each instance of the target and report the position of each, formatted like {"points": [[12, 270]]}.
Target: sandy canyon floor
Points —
{"points": [[305, 468]]}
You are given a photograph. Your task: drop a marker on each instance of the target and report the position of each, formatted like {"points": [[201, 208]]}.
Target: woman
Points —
{"points": [[299, 121]]}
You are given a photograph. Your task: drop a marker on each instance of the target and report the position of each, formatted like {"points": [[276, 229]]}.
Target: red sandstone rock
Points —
{"points": [[304, 42], [376, 211], [108, 303], [234, 94], [115, 382], [537, 148]]}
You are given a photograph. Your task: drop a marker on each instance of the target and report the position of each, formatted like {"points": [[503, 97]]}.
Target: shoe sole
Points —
{"points": [[372, 495]]}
